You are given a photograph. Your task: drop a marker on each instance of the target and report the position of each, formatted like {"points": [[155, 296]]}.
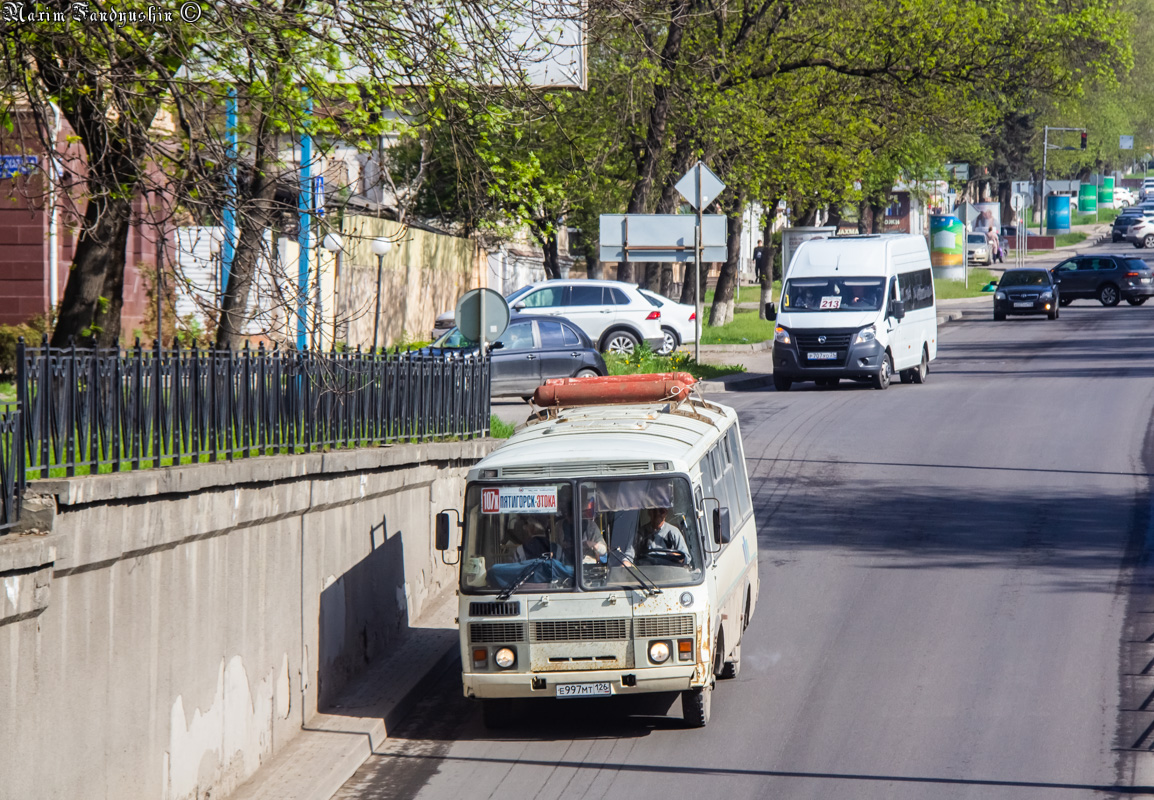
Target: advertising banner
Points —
{"points": [[947, 240]]}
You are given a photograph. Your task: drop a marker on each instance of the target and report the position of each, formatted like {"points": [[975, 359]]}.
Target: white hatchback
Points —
{"points": [[613, 314], [677, 321]]}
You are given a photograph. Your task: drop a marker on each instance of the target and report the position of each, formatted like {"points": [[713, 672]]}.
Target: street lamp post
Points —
{"points": [[380, 247], [333, 243]]}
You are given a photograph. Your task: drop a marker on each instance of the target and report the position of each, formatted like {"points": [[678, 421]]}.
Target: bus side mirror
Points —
{"points": [[441, 540], [897, 309], [721, 530]]}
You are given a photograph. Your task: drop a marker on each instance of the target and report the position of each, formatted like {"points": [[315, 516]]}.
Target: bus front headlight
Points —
{"points": [[659, 652], [866, 334], [505, 658], [781, 335]]}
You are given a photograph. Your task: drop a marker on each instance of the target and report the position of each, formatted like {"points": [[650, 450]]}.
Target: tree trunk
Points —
{"points": [[835, 215], [865, 221], [653, 276], [255, 212], [84, 307], [722, 310], [878, 218], [666, 288], [1005, 193], [593, 266]]}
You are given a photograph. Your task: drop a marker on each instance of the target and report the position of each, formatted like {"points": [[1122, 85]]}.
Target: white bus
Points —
{"points": [[607, 549], [857, 307]]}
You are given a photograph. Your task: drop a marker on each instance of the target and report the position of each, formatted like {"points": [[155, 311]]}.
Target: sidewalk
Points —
{"points": [[758, 359], [331, 746]]}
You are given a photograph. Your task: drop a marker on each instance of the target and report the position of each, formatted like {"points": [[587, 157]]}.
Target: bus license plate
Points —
{"points": [[821, 356], [584, 690]]}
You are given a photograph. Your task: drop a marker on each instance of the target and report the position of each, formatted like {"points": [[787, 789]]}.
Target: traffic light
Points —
{"points": [[1083, 140]]}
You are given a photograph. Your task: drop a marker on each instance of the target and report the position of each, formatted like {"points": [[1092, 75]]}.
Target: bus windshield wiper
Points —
{"points": [[651, 588], [524, 576]]}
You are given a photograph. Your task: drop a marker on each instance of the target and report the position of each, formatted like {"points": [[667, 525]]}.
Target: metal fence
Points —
{"points": [[97, 410], [11, 466]]}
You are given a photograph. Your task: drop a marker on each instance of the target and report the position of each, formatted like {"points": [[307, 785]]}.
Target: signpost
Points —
{"points": [[673, 237], [700, 187], [482, 315]]}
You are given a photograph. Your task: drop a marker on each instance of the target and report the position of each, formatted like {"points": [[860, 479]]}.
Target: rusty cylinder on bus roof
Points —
{"points": [[614, 389]]}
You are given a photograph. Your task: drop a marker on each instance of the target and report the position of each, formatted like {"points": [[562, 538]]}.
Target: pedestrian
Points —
{"points": [[759, 260], [995, 243]]}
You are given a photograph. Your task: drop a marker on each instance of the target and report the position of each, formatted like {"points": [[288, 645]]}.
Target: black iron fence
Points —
{"points": [[11, 466], [88, 410]]}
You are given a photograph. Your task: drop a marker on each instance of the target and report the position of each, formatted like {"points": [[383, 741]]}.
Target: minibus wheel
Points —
{"points": [[882, 377], [921, 372], [781, 383]]}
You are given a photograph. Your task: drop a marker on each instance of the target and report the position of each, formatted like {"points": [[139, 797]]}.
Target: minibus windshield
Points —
{"points": [[833, 294]]}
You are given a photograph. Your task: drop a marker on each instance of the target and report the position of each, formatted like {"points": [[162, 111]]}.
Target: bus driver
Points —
{"points": [[656, 534]]}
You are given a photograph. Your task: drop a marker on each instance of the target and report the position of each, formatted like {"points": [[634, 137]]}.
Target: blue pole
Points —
{"points": [[304, 238], [228, 247]]}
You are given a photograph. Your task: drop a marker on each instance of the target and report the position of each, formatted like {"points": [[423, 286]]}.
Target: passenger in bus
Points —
{"points": [[530, 538], [656, 534]]}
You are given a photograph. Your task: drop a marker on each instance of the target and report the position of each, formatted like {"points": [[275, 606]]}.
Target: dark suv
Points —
{"points": [[1106, 279]]}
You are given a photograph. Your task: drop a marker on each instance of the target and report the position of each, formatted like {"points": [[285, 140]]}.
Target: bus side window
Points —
{"points": [[744, 501]]}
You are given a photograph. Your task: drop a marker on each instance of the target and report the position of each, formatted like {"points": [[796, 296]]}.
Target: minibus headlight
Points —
{"points": [[866, 334], [659, 652], [505, 658], [781, 335], [999, 295]]}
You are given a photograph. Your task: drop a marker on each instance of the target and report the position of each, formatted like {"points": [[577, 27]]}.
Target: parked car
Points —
{"points": [[677, 321], [1107, 279], [1026, 291], [1123, 221], [530, 351], [978, 249], [1141, 232], [614, 315], [1123, 197]]}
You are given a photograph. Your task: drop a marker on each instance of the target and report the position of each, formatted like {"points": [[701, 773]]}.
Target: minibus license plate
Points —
{"points": [[821, 356], [1023, 305], [584, 690]]}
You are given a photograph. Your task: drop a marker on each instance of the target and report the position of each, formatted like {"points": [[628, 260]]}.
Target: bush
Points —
{"points": [[33, 331]]}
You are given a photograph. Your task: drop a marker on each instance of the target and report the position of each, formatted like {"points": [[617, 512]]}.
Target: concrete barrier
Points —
{"points": [[175, 628]]}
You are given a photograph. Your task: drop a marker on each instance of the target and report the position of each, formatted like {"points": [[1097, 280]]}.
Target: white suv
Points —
{"points": [[613, 314], [1141, 232]]}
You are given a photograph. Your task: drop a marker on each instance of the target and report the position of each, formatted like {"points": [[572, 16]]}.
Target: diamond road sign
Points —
{"points": [[711, 185]]}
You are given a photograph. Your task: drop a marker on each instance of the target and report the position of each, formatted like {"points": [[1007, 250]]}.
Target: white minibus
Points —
{"points": [[607, 548], [857, 307]]}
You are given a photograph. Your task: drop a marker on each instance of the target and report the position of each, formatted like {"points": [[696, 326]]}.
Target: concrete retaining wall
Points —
{"points": [[176, 627]]}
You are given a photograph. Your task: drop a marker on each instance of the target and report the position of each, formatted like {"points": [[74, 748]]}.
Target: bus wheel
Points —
{"points": [[731, 669], [695, 705]]}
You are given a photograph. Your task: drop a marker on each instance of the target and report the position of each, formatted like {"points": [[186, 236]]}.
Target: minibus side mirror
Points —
{"points": [[721, 530], [897, 309]]}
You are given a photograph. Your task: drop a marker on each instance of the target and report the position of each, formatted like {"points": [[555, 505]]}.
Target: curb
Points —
{"points": [[753, 347], [748, 384]]}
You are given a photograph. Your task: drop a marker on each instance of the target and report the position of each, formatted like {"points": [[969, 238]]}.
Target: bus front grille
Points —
{"points": [[495, 609], [496, 632], [654, 627], [580, 630]]}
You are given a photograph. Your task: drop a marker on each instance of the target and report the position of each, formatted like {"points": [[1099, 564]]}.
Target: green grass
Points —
{"points": [[644, 361], [745, 294], [1066, 239], [1104, 215], [499, 429], [746, 328], [7, 392], [952, 290]]}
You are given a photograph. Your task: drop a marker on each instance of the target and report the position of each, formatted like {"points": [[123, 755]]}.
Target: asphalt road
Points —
{"points": [[955, 601]]}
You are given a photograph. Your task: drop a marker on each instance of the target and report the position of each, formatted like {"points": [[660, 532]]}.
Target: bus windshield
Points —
{"points": [[628, 533], [518, 538], [644, 525]]}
